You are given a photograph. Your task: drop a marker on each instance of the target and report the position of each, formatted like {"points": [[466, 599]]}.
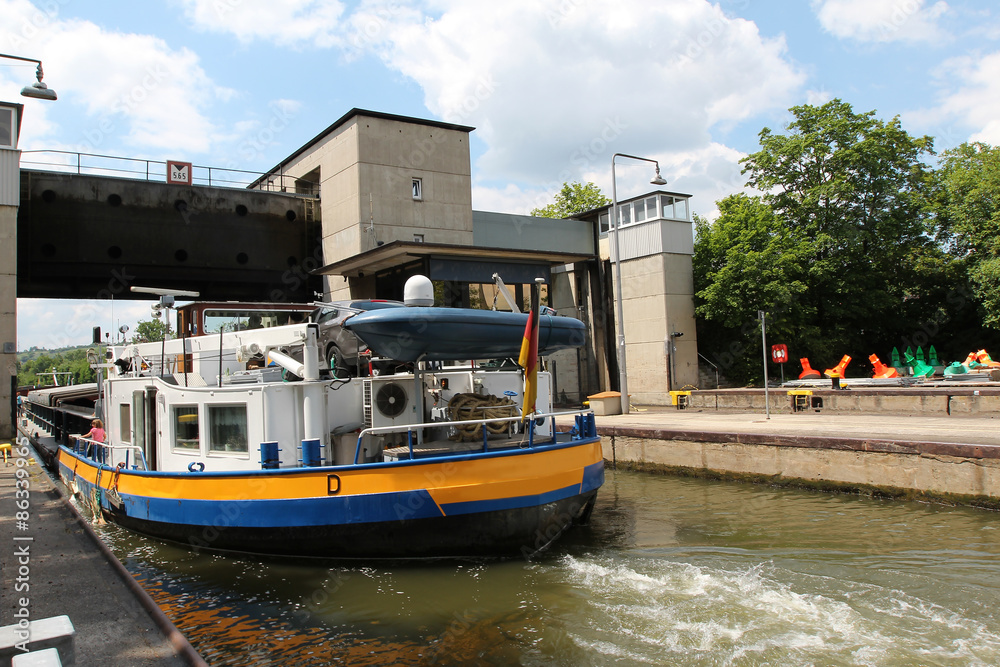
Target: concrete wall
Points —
{"points": [[366, 167], [392, 153], [915, 401], [971, 477], [9, 201], [506, 230], [8, 314], [565, 364], [576, 373], [87, 236], [657, 300]]}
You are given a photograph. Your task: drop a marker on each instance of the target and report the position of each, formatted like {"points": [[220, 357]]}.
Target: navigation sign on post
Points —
{"points": [[779, 353], [178, 173]]}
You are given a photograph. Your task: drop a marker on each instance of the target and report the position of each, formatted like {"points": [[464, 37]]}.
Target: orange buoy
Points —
{"points": [[808, 373], [881, 370], [983, 358], [838, 370]]}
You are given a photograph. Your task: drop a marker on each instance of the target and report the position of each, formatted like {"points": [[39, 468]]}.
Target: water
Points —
{"points": [[671, 571]]}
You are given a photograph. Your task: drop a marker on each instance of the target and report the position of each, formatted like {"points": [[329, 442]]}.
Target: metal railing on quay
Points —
{"points": [[94, 164]]}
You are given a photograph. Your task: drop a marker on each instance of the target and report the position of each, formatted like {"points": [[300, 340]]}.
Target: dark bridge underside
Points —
{"points": [[94, 237]]}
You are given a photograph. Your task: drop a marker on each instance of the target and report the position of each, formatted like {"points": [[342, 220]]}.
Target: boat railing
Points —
{"points": [[101, 452], [584, 427]]}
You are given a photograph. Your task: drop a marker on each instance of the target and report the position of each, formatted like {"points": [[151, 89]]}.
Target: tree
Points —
{"points": [[573, 198], [148, 331], [837, 249], [967, 207], [747, 260], [72, 361]]}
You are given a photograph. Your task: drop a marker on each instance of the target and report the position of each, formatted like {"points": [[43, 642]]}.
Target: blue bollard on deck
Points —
{"points": [[269, 456], [311, 457]]}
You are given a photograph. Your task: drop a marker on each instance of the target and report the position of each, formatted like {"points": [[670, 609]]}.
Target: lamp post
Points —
{"points": [[10, 128], [656, 180], [37, 90]]}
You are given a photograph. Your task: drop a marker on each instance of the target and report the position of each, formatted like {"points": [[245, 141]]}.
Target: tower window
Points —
{"points": [[418, 188]]}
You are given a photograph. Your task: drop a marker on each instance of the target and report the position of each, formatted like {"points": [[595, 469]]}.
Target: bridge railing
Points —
{"points": [[153, 170]]}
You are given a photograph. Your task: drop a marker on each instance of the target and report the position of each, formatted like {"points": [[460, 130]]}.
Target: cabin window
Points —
{"points": [[125, 422], [186, 428], [667, 206], [681, 209], [650, 208], [139, 425], [640, 210], [227, 428], [7, 130], [624, 214]]}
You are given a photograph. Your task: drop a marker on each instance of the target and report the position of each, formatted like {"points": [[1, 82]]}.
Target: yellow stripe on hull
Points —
{"points": [[528, 472]]}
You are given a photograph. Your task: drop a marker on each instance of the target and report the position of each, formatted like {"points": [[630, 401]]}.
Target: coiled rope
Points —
{"points": [[464, 407]]}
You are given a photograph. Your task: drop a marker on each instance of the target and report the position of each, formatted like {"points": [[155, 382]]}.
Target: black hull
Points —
{"points": [[510, 533]]}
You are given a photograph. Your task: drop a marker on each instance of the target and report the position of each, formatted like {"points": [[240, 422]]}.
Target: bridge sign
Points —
{"points": [[178, 173]]}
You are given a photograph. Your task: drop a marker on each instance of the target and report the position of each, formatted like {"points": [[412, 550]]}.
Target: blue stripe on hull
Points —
{"points": [[386, 525], [285, 512], [593, 477], [331, 510], [475, 506]]}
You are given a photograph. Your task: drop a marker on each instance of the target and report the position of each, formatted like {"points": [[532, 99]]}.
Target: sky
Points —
{"points": [[553, 88]]}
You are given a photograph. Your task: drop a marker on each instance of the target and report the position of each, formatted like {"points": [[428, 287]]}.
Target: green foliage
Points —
{"points": [[967, 206], [573, 198], [748, 260], [149, 331], [838, 250], [73, 360]]}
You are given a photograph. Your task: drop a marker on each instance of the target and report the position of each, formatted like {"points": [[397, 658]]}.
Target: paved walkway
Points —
{"points": [[70, 575], [903, 429]]}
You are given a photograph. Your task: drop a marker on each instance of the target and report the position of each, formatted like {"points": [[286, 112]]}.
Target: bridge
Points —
{"points": [[93, 229], [92, 226]]}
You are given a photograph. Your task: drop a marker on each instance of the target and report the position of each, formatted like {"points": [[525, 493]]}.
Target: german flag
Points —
{"points": [[529, 355]]}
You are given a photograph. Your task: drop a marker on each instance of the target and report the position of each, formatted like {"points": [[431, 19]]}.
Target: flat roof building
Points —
{"points": [[395, 200]]}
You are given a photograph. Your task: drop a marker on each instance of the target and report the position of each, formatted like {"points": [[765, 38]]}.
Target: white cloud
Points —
{"points": [[970, 101], [553, 88], [555, 93], [818, 97], [293, 23], [55, 323], [509, 198], [881, 20], [706, 173], [132, 88]]}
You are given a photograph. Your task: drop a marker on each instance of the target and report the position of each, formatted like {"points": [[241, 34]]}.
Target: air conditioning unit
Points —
{"points": [[390, 401]]}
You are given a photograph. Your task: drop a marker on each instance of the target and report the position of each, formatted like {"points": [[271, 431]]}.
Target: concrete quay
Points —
{"points": [[53, 564], [939, 398], [944, 458]]}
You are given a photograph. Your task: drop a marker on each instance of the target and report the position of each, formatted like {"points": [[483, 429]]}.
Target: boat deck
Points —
{"points": [[433, 448]]}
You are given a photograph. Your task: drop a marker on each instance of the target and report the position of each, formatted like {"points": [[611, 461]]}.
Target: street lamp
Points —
{"points": [[37, 90], [656, 180]]}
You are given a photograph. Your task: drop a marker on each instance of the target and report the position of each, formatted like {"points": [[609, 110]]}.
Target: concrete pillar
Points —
{"points": [[9, 183]]}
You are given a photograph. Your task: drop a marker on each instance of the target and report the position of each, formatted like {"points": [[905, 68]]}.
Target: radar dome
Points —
{"points": [[418, 291]]}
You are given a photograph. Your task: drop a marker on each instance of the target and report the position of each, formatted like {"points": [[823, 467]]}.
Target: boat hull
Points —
{"points": [[509, 533], [500, 504], [446, 334]]}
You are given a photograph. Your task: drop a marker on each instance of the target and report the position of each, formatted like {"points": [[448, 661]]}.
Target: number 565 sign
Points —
{"points": [[179, 173]]}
